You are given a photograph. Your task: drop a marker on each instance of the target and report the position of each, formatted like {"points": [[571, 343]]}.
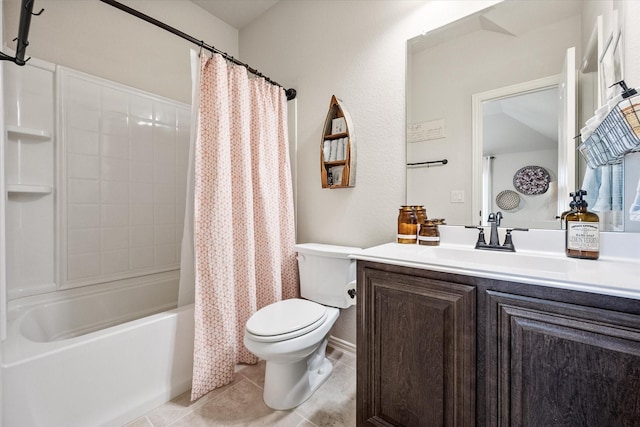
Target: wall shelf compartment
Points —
{"points": [[337, 148], [29, 173], [29, 189], [38, 134]]}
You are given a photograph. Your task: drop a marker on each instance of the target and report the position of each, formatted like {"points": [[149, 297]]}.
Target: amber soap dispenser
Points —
{"points": [[582, 235]]}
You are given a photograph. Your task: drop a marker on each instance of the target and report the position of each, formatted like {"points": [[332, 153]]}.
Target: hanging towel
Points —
{"points": [[603, 201], [617, 187], [591, 184], [340, 155], [326, 150], [634, 210]]}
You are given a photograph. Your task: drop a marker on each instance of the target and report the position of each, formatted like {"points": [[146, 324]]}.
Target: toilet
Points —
{"points": [[291, 335]]}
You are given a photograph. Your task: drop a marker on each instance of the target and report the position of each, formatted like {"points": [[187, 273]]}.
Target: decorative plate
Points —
{"points": [[531, 180], [508, 200]]}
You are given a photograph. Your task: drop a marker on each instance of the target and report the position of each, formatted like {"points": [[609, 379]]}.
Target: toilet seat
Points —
{"points": [[285, 320]]}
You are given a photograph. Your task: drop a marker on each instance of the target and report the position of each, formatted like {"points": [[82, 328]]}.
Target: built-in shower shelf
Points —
{"points": [[32, 133], [29, 189]]}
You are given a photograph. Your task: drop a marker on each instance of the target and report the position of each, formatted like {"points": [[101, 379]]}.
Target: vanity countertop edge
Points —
{"points": [[606, 276]]}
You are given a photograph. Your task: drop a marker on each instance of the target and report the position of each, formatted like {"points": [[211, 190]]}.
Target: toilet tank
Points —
{"points": [[327, 273]]}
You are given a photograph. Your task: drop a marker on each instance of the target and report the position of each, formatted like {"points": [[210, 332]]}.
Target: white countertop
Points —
{"points": [[609, 275]]}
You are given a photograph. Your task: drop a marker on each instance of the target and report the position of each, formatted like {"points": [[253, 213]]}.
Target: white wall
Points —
{"points": [[355, 50], [631, 33], [536, 211], [3, 270], [98, 39]]}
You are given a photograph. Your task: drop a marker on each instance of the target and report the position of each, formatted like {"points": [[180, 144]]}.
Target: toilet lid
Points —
{"points": [[286, 319]]}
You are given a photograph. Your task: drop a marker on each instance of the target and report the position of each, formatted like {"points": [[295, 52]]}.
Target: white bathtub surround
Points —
{"points": [[101, 198], [122, 180], [244, 231], [56, 371], [93, 246]]}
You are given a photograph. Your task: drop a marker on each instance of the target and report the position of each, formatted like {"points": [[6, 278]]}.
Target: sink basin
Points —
{"points": [[497, 260], [610, 276]]}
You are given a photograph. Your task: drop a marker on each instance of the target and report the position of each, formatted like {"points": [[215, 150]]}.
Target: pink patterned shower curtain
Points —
{"points": [[244, 232]]}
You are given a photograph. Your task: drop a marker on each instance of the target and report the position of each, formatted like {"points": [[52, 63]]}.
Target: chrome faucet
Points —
{"points": [[494, 240]]}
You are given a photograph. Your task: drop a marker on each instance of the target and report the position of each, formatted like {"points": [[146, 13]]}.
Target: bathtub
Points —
{"points": [[96, 357]]}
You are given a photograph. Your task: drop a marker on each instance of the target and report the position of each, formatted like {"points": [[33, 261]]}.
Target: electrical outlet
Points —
{"points": [[457, 196]]}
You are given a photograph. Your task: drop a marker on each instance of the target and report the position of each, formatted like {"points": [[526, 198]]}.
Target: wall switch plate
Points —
{"points": [[457, 196]]}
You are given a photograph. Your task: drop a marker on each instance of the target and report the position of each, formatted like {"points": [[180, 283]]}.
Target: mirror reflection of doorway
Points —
{"points": [[519, 131]]}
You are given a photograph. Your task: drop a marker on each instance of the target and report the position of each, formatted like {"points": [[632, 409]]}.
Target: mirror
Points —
{"points": [[515, 140], [503, 67]]}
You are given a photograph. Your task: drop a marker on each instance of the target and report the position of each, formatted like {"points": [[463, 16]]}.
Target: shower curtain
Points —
{"points": [[243, 220]]}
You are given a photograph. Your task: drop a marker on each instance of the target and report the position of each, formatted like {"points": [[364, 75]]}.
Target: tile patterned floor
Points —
{"points": [[240, 403]]}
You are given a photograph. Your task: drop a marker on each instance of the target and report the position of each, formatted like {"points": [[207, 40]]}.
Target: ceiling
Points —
{"points": [[237, 13], [520, 123], [512, 18]]}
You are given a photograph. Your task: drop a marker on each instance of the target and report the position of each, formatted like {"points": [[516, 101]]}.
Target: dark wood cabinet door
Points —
{"points": [[558, 364], [416, 351]]}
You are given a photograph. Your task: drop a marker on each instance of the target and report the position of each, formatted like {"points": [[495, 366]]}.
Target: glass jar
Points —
{"points": [[421, 213], [407, 225], [429, 233]]}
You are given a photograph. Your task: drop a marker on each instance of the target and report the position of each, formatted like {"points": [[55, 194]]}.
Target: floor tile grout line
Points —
{"points": [[252, 382], [204, 402], [305, 420]]}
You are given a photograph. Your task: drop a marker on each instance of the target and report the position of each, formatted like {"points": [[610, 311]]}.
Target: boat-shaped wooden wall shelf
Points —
{"points": [[337, 148]]}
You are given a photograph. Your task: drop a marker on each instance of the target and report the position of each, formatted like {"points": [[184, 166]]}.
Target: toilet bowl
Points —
{"points": [[296, 366], [291, 335]]}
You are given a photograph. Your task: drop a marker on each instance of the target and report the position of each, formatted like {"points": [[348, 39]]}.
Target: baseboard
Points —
{"points": [[343, 345]]}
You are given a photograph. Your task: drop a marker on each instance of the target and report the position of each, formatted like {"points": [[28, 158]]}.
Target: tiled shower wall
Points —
{"points": [[122, 179]]}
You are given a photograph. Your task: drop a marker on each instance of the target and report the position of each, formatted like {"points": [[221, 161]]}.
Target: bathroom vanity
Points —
{"points": [[451, 336]]}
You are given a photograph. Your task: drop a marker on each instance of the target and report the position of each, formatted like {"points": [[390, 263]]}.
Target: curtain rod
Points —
{"points": [[291, 93], [22, 41]]}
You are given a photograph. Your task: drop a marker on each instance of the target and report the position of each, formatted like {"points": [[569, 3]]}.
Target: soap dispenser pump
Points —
{"points": [[582, 234], [572, 207]]}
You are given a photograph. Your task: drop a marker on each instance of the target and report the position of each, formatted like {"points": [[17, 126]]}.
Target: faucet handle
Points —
{"points": [[508, 242], [509, 230], [481, 240]]}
